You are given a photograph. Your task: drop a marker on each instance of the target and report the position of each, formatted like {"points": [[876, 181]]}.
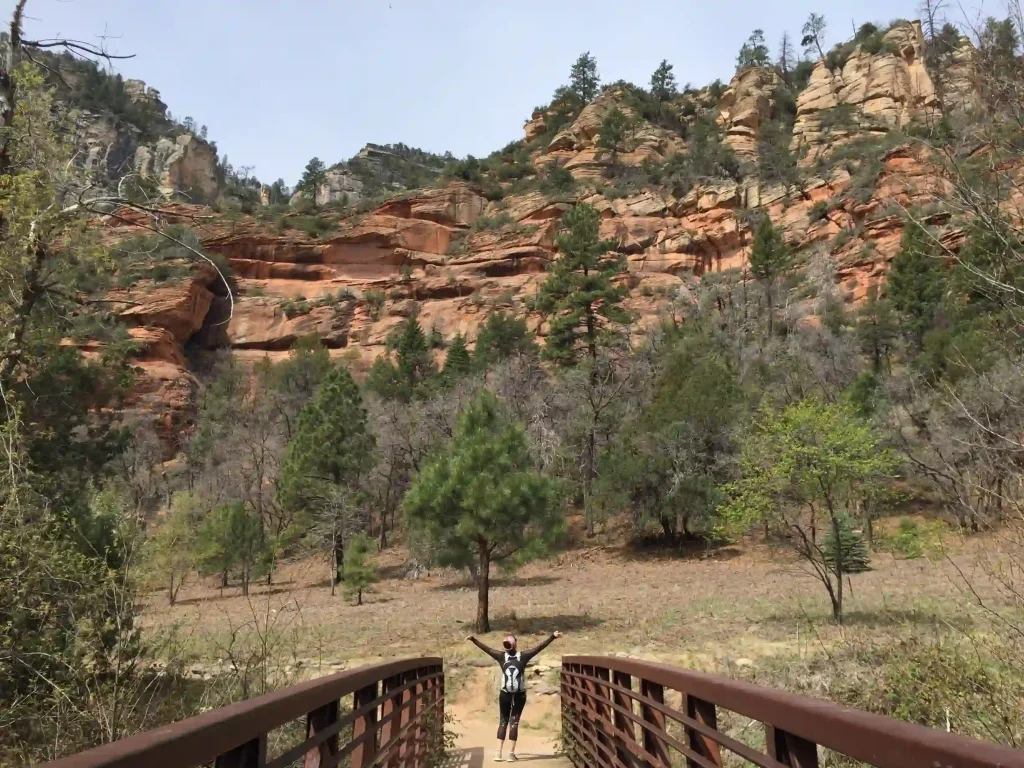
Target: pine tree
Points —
{"points": [[501, 336], [325, 462], [580, 301], [769, 257], [877, 329], [915, 283], [754, 52], [480, 500], [584, 79], [314, 177], [408, 370], [357, 571], [613, 132], [231, 538], [457, 361], [851, 554], [663, 82]]}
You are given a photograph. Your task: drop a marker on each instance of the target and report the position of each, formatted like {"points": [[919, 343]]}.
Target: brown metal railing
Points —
{"points": [[394, 720], [616, 713]]}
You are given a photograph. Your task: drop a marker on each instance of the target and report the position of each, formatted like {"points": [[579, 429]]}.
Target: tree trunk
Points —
{"points": [[334, 569], [339, 558], [359, 599], [171, 593], [483, 585]]}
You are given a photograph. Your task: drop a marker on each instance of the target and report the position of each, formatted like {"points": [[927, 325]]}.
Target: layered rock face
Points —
{"points": [[112, 148], [452, 257], [745, 107], [575, 147], [886, 90]]}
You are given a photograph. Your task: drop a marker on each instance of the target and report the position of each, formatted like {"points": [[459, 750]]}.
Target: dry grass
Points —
{"points": [[705, 611]]}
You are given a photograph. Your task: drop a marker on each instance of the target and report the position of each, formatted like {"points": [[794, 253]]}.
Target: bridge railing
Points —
{"points": [[387, 715], [619, 713]]}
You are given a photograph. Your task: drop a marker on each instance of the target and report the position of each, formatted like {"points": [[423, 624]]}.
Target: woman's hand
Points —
{"points": [[557, 634]]}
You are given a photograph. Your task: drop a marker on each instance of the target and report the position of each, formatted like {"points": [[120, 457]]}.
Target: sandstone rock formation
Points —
{"points": [[185, 163], [575, 146], [885, 90], [745, 107]]}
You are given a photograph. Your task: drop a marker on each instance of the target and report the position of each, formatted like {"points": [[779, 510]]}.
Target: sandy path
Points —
{"points": [[475, 709]]}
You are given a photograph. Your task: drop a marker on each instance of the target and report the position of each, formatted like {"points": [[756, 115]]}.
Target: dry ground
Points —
{"points": [[706, 611]]}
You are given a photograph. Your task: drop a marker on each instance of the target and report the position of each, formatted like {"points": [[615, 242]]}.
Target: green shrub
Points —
{"points": [[819, 211], [375, 301], [848, 544]]}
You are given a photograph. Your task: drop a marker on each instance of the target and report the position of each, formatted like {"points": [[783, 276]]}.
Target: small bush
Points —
{"points": [[848, 544], [375, 302], [819, 211]]}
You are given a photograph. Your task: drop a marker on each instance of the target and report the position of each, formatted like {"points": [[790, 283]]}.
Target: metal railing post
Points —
{"points": [[316, 721], [623, 725], [365, 754], [252, 754], [653, 743], [704, 713], [789, 749]]}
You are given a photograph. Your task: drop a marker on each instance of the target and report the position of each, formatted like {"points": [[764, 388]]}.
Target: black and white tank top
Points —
{"points": [[513, 677]]}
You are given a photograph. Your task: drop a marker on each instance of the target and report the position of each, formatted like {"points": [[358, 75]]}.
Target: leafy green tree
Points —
{"points": [[663, 82], [584, 79], [500, 337], [171, 549], [669, 465], [231, 539], [613, 132], [769, 258], [480, 501], [915, 284], [754, 52], [809, 463], [579, 299], [457, 361], [325, 463], [314, 177], [358, 572]]}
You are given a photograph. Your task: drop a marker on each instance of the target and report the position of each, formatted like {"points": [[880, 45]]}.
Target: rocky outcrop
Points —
{"points": [[745, 107], [184, 163], [575, 147], [886, 90]]}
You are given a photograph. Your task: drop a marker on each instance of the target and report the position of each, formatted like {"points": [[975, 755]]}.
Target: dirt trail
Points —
{"points": [[475, 709]]}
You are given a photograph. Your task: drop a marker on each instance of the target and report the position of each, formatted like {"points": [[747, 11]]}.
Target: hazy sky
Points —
{"points": [[279, 81]]}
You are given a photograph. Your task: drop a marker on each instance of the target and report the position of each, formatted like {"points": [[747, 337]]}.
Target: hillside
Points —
{"points": [[834, 162]]}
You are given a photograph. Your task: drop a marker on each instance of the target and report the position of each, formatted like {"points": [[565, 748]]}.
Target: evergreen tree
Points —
{"points": [[877, 329], [915, 283], [357, 571], [613, 132], [411, 372], [754, 52], [325, 462], [584, 79], [786, 57], [314, 177], [501, 336], [457, 361], [813, 40], [578, 297], [769, 257], [663, 82], [850, 554], [480, 501]]}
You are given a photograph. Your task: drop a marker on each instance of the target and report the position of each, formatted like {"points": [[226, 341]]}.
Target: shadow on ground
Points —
{"points": [[500, 581], [537, 625], [465, 758]]}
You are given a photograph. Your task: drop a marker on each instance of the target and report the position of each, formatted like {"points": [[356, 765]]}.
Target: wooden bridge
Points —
{"points": [[616, 713]]}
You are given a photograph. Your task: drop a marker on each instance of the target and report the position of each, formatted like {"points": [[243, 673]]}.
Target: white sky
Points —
{"points": [[279, 81]]}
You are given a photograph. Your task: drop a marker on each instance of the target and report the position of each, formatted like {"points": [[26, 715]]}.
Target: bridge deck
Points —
{"points": [[476, 747]]}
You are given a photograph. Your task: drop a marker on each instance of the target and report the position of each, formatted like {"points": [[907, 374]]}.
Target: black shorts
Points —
{"points": [[510, 707]]}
